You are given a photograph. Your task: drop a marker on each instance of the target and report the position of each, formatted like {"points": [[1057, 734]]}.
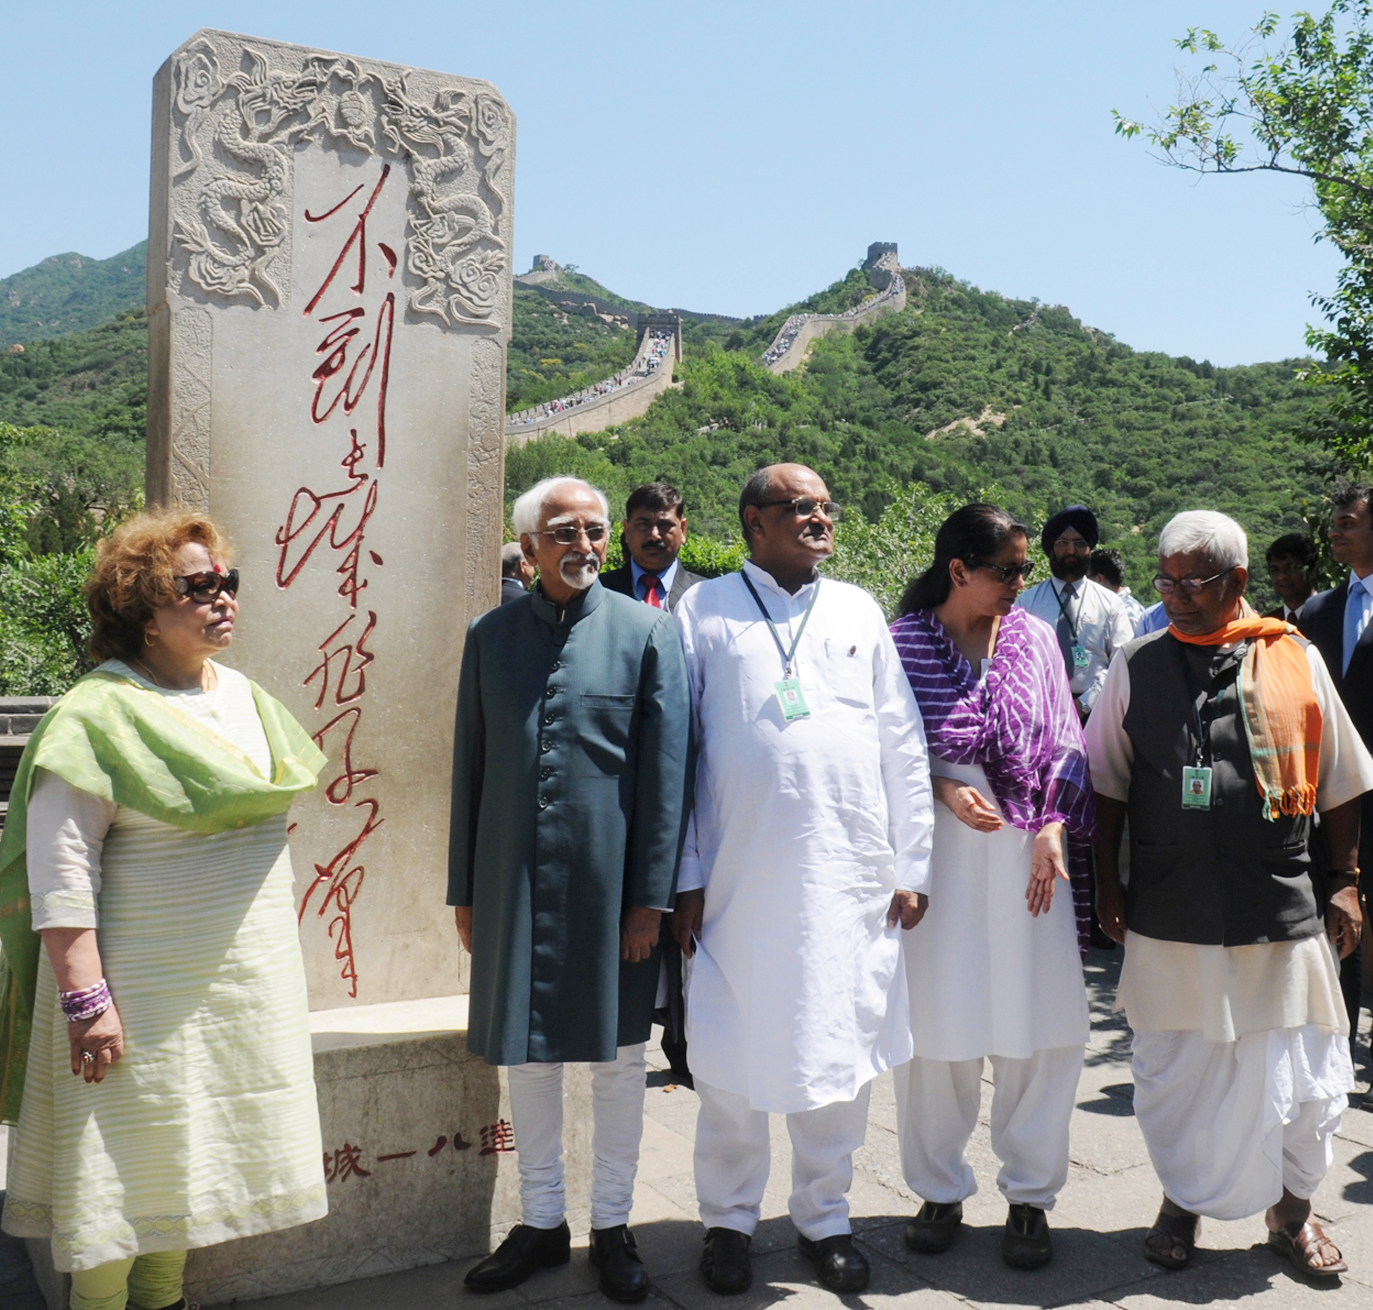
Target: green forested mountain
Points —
{"points": [[966, 391], [66, 293]]}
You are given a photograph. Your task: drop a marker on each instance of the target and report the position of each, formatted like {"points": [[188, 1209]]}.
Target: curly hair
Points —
{"points": [[135, 575]]}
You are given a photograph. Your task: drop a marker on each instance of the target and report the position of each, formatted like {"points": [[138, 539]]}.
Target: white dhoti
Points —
{"points": [[617, 1107], [989, 980], [1230, 1124], [733, 1156]]}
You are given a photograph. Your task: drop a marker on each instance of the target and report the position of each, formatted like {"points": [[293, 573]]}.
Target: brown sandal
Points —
{"points": [[1180, 1227], [1301, 1242]]}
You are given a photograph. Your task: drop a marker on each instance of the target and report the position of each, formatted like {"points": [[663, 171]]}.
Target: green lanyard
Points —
{"points": [[787, 655]]}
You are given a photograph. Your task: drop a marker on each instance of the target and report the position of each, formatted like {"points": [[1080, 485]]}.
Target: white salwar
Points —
{"points": [[1241, 1055], [988, 979], [802, 832]]}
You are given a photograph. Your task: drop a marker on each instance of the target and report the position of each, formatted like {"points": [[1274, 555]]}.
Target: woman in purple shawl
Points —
{"points": [[993, 968]]}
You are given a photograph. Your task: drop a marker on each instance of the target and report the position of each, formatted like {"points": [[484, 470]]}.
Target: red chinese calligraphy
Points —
{"points": [[350, 361], [346, 1162], [497, 1138]]}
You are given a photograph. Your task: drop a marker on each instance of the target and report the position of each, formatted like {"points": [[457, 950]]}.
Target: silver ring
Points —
{"points": [[87, 1058]]}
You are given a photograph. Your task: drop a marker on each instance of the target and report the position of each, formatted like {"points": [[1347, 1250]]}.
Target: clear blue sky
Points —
{"points": [[735, 156]]}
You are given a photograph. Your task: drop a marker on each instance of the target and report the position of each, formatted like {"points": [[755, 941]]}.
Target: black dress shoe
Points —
{"points": [[523, 1251], [622, 1272], [725, 1263], [935, 1227], [1026, 1243], [840, 1265]]}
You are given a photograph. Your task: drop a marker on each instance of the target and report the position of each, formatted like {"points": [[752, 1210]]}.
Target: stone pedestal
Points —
{"points": [[329, 296], [418, 1160]]}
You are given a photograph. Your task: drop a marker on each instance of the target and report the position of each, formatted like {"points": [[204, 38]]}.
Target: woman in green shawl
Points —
{"points": [[154, 1034]]}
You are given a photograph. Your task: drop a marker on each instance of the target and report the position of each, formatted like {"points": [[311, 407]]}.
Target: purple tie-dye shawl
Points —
{"points": [[1019, 723]]}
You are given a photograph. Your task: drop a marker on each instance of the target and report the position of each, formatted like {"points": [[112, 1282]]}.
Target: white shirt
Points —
{"points": [[802, 832], [1103, 626], [1357, 607]]}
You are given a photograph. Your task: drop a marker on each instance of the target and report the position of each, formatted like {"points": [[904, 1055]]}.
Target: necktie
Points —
{"points": [[1356, 617], [652, 585], [1067, 613]]}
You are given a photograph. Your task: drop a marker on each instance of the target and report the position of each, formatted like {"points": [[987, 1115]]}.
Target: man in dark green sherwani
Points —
{"points": [[570, 799]]}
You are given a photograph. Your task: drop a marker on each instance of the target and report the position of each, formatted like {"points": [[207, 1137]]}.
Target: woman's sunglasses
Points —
{"points": [[204, 588]]}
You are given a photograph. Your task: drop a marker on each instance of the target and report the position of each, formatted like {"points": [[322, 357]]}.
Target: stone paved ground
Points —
{"points": [[1099, 1224]]}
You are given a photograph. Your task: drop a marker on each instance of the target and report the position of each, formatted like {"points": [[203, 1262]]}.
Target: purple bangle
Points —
{"points": [[87, 1003]]}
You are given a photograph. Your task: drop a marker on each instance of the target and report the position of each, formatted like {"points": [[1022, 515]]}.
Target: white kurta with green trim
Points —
{"points": [[208, 1128]]}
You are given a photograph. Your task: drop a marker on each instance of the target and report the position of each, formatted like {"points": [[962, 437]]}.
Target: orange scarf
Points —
{"points": [[1282, 718]]}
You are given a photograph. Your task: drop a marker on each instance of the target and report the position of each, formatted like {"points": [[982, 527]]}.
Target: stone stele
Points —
{"points": [[329, 298]]}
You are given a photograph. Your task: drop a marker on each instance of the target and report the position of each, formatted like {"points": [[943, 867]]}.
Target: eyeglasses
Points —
{"points": [[1166, 586], [804, 506], [1077, 545], [566, 534], [1008, 573], [204, 588]]}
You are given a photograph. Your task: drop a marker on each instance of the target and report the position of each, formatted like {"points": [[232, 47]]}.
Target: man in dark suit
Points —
{"points": [[653, 531], [652, 534], [1337, 622], [516, 572], [1291, 563]]}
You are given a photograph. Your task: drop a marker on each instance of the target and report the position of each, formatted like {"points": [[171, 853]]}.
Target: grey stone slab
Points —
{"points": [[329, 297], [1086, 1264], [1254, 1279]]}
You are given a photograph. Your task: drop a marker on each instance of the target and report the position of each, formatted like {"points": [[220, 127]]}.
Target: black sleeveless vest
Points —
{"points": [[1219, 877]]}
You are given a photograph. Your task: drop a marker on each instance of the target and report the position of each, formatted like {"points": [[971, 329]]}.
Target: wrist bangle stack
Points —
{"points": [[86, 1003]]}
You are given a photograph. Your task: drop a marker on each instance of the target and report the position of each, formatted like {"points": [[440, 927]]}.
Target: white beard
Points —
{"points": [[579, 571]]}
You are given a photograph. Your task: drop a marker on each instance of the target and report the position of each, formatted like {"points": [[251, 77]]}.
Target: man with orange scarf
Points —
{"points": [[1222, 739]]}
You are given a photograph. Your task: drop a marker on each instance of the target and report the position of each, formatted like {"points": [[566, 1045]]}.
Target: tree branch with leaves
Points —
{"points": [[1303, 106]]}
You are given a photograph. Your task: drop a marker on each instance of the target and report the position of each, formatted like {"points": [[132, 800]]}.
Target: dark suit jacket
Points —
{"points": [[1322, 622], [622, 580]]}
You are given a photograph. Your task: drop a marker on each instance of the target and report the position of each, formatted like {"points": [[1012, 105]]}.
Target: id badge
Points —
{"points": [[790, 699], [1196, 789], [1081, 657]]}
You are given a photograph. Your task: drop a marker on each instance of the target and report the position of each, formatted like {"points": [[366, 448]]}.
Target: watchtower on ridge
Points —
{"points": [[672, 322]]}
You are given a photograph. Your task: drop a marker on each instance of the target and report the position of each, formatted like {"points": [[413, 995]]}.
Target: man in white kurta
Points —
{"points": [[1229, 982], [809, 848]]}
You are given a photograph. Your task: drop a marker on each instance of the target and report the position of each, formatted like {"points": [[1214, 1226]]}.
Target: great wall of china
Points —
{"points": [[630, 392]]}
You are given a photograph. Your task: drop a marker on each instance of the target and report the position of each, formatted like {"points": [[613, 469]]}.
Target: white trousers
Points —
{"points": [[733, 1156], [617, 1108], [937, 1103], [1230, 1124]]}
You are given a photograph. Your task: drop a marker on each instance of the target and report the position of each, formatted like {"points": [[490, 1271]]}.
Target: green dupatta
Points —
{"points": [[125, 743]]}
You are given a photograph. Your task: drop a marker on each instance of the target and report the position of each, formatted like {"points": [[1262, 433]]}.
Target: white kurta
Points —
{"points": [[1103, 627], [986, 976], [802, 831]]}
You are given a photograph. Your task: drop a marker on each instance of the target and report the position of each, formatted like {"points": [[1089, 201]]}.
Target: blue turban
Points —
{"points": [[1078, 517]]}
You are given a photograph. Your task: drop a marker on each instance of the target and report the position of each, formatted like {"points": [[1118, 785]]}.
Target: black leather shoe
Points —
{"points": [[524, 1251], [622, 1272], [725, 1263], [1026, 1243], [935, 1227], [839, 1264]]}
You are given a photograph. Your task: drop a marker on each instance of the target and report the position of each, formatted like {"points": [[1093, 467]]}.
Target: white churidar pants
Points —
{"points": [[937, 1103], [1230, 1124], [617, 1107], [733, 1155]]}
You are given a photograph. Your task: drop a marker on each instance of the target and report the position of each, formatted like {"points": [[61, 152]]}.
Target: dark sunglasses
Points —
{"points": [[204, 588], [804, 506], [1008, 572]]}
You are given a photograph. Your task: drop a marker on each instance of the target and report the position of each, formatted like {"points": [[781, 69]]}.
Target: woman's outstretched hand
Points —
{"points": [[1046, 866], [968, 804]]}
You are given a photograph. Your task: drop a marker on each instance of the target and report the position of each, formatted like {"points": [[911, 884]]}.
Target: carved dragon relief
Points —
{"points": [[237, 136]]}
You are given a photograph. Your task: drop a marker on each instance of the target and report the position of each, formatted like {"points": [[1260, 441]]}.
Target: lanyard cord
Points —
{"points": [[1063, 609], [1201, 728], [787, 655]]}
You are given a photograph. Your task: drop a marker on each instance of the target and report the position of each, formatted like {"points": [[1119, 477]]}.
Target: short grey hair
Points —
{"points": [[1218, 537], [527, 511], [512, 554]]}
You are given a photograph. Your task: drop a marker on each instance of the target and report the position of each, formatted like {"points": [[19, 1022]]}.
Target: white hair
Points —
{"points": [[527, 511], [1203, 531]]}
